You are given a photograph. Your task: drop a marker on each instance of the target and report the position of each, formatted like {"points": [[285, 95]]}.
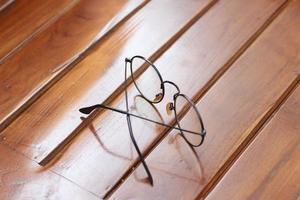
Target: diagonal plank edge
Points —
{"points": [[253, 86], [22, 178], [24, 19], [238, 53], [63, 96], [249, 139], [5, 3], [202, 92], [120, 89], [30, 60], [84, 154], [275, 169]]}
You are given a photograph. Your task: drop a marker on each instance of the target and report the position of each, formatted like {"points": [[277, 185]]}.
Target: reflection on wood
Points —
{"points": [[232, 109], [21, 179], [22, 20], [112, 127], [51, 121], [270, 167], [59, 45], [238, 61], [5, 3]]}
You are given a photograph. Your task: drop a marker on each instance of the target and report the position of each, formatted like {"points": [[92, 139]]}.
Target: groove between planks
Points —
{"points": [[120, 89], [39, 29], [22, 178], [251, 137], [283, 90], [200, 94], [5, 3], [180, 21], [261, 143], [254, 29], [177, 24], [235, 45], [218, 176], [67, 65]]}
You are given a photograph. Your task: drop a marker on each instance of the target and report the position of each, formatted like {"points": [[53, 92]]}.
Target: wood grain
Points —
{"points": [[24, 19], [104, 148], [5, 3], [240, 77], [232, 109], [49, 55], [55, 115], [22, 179], [270, 167]]}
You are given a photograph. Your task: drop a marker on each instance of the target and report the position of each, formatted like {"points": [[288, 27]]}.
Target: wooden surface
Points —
{"points": [[238, 61], [269, 168], [110, 135], [60, 44], [230, 119], [81, 85], [5, 3], [22, 20], [23, 179]]}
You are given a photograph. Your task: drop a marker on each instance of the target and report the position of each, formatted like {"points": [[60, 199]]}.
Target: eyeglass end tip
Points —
{"points": [[84, 111]]}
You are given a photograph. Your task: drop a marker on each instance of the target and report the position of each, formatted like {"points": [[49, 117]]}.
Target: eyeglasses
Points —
{"points": [[154, 95]]}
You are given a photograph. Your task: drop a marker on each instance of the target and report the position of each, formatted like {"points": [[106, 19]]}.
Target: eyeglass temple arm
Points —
{"points": [[138, 151], [88, 110], [142, 159]]}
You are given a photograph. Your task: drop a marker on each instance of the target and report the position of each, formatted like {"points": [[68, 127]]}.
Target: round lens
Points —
{"points": [[191, 121], [147, 110], [149, 83]]}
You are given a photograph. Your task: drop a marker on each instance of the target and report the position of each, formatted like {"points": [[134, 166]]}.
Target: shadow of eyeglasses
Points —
{"points": [[147, 110]]}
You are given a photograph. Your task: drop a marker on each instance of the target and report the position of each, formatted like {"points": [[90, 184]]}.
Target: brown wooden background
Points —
{"points": [[237, 59]]}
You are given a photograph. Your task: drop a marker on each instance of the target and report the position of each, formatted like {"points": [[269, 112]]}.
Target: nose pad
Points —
{"points": [[169, 108], [158, 97]]}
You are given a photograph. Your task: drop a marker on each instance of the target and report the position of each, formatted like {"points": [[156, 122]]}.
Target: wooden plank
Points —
{"points": [[233, 109], [55, 115], [60, 44], [5, 3], [24, 19], [22, 179], [270, 167], [107, 154]]}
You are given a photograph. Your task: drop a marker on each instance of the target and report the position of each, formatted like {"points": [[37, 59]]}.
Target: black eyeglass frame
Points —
{"points": [[88, 110], [175, 96]]}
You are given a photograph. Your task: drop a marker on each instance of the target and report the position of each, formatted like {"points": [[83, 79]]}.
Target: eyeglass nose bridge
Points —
{"points": [[171, 83]]}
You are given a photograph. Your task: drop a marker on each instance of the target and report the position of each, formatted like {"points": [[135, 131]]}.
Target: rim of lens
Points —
{"points": [[192, 105], [156, 70]]}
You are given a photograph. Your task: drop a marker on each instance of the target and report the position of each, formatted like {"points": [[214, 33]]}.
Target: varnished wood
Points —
{"points": [[23, 179], [233, 109], [240, 71], [23, 19], [270, 167], [48, 56], [104, 64], [110, 155], [5, 3]]}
